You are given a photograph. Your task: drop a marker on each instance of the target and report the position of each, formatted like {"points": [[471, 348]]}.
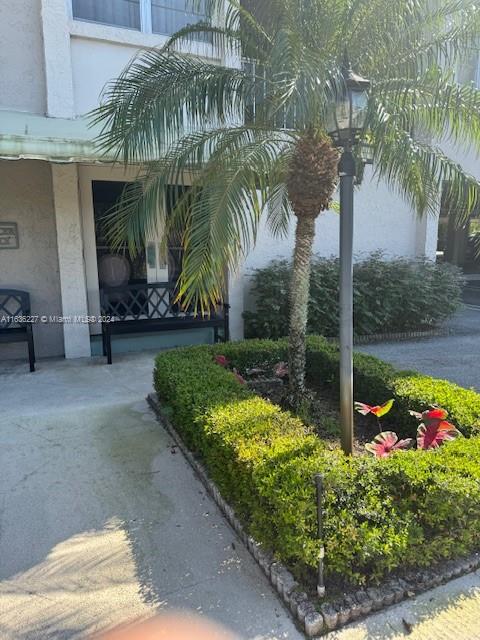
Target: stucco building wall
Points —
{"points": [[22, 77], [27, 199]]}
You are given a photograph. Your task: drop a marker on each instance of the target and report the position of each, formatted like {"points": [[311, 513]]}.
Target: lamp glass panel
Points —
{"points": [[359, 108], [343, 115]]}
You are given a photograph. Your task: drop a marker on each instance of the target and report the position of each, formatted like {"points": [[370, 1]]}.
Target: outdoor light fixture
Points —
{"points": [[346, 121], [346, 116]]}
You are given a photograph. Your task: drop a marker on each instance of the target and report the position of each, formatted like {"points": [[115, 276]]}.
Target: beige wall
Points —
{"points": [[22, 77], [26, 198]]}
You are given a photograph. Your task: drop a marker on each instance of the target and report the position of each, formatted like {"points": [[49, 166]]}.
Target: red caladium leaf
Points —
{"points": [[221, 360], [435, 413], [377, 410], [386, 443], [431, 434], [281, 369]]}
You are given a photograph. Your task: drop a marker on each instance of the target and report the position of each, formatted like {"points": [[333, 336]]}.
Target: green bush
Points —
{"points": [[389, 296], [408, 510]]}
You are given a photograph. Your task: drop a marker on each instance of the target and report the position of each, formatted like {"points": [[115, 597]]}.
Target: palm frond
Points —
{"points": [[419, 171], [160, 96]]}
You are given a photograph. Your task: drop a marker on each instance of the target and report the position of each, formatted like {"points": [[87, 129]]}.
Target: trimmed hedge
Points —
{"points": [[410, 509], [390, 296]]}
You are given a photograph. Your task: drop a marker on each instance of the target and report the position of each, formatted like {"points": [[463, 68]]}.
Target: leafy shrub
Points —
{"points": [[409, 509], [389, 296]]}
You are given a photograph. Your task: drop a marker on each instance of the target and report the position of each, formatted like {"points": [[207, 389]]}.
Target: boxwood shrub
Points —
{"points": [[408, 510], [390, 296]]}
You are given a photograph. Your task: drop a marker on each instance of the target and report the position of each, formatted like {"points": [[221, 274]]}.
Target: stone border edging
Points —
{"points": [[314, 618], [402, 336]]}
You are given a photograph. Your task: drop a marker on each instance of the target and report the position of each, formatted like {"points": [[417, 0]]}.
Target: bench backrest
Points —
{"points": [[147, 301], [14, 307]]}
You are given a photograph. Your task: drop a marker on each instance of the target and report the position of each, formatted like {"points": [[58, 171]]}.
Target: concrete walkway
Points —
{"points": [[102, 521]]}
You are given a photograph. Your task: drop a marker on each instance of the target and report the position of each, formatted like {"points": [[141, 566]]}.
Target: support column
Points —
{"points": [[58, 59], [426, 236], [73, 284], [236, 298]]}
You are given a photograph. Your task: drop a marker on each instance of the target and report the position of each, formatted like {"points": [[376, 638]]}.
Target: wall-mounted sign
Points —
{"points": [[8, 235]]}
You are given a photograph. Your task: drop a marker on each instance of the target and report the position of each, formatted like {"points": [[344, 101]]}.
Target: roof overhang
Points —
{"points": [[35, 137]]}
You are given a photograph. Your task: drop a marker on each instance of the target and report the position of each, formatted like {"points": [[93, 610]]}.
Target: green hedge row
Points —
{"points": [[389, 296], [411, 509]]}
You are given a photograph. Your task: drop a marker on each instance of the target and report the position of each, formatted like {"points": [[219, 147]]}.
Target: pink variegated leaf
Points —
{"points": [[362, 408], [432, 434], [386, 443], [221, 360]]}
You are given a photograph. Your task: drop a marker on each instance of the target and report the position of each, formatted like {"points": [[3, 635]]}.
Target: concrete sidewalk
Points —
{"points": [[102, 521]]}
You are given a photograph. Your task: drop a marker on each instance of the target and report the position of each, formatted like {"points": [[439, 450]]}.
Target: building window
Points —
{"points": [[169, 16], [120, 13], [158, 16]]}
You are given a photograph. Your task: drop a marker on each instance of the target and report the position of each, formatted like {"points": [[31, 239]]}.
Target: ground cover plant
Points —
{"points": [[409, 509], [383, 299]]}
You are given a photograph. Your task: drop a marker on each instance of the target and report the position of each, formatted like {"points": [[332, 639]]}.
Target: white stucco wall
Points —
{"points": [[94, 63], [99, 53], [383, 221], [22, 78], [27, 199]]}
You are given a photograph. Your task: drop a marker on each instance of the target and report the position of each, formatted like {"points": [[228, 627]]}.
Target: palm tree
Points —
{"points": [[250, 140]]}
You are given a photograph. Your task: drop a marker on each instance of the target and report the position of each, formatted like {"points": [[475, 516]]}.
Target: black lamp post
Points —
{"points": [[346, 121]]}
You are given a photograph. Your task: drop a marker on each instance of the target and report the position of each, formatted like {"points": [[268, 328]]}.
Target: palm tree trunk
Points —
{"points": [[299, 296]]}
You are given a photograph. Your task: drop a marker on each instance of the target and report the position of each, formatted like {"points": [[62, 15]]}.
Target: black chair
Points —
{"points": [[15, 323]]}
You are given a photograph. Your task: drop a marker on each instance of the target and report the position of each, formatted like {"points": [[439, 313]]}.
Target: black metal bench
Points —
{"points": [[16, 321], [151, 307]]}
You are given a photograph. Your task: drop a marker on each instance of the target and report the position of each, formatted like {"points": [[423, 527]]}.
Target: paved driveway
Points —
{"points": [[101, 521], [455, 357]]}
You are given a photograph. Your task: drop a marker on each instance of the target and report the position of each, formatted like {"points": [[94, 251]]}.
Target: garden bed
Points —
{"points": [[406, 512]]}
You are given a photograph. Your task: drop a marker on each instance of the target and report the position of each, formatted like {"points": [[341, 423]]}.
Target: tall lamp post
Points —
{"points": [[345, 123]]}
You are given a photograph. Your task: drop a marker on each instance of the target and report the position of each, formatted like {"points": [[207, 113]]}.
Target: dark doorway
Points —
{"points": [[459, 239], [115, 268]]}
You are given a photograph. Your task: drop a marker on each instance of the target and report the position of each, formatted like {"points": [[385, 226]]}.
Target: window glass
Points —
{"points": [[168, 16], [122, 13]]}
